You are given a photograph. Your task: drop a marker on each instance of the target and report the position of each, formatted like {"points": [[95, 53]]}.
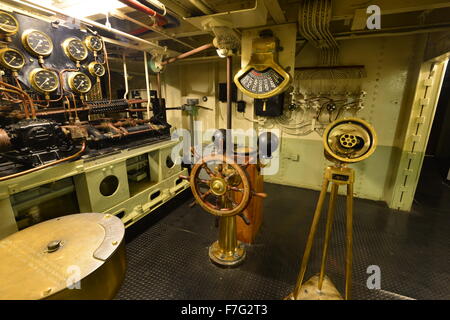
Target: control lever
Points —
{"points": [[244, 217]]}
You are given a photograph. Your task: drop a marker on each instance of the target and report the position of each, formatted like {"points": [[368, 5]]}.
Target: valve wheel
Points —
{"points": [[222, 183]]}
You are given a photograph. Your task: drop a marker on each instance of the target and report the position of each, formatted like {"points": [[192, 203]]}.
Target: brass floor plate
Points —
{"points": [[310, 290], [219, 257]]}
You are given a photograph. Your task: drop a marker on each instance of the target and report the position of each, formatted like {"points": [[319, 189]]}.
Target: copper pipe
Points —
{"points": [[229, 82], [105, 52], [33, 112], [47, 113], [18, 174], [25, 107], [188, 53], [161, 20], [158, 83]]}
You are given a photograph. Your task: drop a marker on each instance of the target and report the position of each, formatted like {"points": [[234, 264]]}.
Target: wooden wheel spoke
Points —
{"points": [[203, 196], [232, 201], [204, 181], [208, 170], [237, 189]]}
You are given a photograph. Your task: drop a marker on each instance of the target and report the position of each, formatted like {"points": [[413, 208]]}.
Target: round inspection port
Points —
{"points": [[109, 185]]}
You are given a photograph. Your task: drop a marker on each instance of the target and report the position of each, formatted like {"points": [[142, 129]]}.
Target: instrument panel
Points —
{"points": [[43, 80], [75, 49], [93, 43], [80, 82], [8, 24], [37, 43], [12, 59], [33, 44], [96, 69]]}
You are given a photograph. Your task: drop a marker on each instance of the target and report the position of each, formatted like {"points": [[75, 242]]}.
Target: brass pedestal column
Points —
{"points": [[320, 287], [227, 251]]}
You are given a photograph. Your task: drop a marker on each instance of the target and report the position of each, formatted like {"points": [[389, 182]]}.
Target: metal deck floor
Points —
{"points": [[168, 250]]}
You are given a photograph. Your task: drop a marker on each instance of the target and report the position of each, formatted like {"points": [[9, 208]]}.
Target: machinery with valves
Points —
{"points": [[345, 141]]}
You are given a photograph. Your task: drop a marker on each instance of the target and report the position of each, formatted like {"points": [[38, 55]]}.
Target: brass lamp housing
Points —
{"points": [[262, 58], [6, 64], [349, 140]]}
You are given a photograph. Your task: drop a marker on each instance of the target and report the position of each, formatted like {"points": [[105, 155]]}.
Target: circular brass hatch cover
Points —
{"points": [[45, 259]]}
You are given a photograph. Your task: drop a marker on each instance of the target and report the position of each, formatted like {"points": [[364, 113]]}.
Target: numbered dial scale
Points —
{"points": [[8, 24], [261, 82], [96, 69], [43, 80], [262, 77], [37, 43], [79, 82], [75, 49], [93, 43], [12, 59]]}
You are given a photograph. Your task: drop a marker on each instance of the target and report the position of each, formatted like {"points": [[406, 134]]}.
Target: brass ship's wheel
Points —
{"points": [[224, 190]]}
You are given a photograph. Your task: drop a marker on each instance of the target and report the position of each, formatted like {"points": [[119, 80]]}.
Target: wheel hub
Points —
{"points": [[218, 186]]}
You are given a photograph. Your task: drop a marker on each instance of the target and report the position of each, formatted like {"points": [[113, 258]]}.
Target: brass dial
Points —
{"points": [[8, 24], [79, 82], [37, 43], [43, 80], [12, 59], [93, 43], [96, 69], [75, 49]]}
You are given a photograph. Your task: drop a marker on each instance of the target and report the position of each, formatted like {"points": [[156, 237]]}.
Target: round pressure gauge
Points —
{"points": [[94, 43], [96, 69], [43, 80], [79, 82], [75, 49], [12, 59], [37, 43], [8, 24]]}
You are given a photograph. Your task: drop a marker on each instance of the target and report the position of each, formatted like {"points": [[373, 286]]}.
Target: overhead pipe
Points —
{"points": [[172, 21], [189, 53], [145, 28], [88, 22], [229, 92], [160, 20]]}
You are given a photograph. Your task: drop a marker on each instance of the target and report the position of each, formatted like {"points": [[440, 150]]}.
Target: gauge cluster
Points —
{"points": [[36, 51], [53, 97]]}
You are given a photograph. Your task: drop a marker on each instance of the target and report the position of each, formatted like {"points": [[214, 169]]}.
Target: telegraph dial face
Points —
{"points": [[263, 77], [261, 82]]}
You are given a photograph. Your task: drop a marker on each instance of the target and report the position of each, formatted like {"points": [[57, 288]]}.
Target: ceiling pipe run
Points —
{"points": [[90, 22], [160, 20], [189, 53]]}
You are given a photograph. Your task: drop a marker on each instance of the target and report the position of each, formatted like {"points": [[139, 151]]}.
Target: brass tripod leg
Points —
{"points": [[330, 216], [312, 232], [349, 242]]}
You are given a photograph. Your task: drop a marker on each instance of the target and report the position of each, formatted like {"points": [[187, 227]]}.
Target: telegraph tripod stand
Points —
{"points": [[347, 140], [320, 287]]}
